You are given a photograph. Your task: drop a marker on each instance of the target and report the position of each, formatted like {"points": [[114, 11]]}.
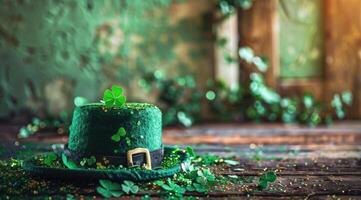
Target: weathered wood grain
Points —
{"points": [[310, 170]]}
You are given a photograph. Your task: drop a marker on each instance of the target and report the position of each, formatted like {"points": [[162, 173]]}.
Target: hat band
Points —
{"points": [[138, 159]]}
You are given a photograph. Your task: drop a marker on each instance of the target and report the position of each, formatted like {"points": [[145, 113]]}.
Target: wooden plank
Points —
{"points": [[295, 167], [343, 50], [258, 30], [237, 139]]}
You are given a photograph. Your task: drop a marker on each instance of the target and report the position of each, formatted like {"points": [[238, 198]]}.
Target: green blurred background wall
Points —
{"points": [[54, 50]]}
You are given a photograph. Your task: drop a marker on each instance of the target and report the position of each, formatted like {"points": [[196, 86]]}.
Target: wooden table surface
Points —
{"points": [[311, 163]]}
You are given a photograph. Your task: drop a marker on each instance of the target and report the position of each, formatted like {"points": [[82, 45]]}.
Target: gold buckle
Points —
{"points": [[130, 154]]}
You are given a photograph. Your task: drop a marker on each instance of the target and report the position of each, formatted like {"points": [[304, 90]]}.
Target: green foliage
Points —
{"points": [[171, 187], [265, 179], [208, 159], [247, 54], [228, 7], [37, 125], [339, 101], [119, 135], [178, 97], [114, 97], [196, 180], [257, 102], [194, 177], [225, 101]]}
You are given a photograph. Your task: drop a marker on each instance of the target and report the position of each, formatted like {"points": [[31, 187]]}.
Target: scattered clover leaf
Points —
{"points": [[68, 163], [129, 187], [201, 180], [118, 136], [50, 158], [208, 159], [114, 97], [265, 179], [187, 167], [271, 176], [190, 152], [109, 189]]}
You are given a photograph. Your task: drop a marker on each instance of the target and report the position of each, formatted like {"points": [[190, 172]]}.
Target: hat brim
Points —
{"points": [[31, 166]]}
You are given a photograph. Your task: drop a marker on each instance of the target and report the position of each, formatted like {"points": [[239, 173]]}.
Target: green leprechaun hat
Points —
{"points": [[112, 140]]}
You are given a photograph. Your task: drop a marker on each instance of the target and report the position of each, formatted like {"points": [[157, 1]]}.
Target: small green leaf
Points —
{"points": [[120, 133], [115, 137], [108, 95], [109, 102], [68, 163], [110, 185], [129, 187], [246, 54], [308, 101], [117, 91], [117, 193], [105, 193], [271, 176], [190, 188], [190, 151], [346, 97], [126, 189], [83, 162], [50, 158], [159, 183], [260, 64], [134, 189], [120, 101], [263, 184]]}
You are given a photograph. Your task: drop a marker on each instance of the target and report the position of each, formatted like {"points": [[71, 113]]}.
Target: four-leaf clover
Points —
{"points": [[114, 97]]}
